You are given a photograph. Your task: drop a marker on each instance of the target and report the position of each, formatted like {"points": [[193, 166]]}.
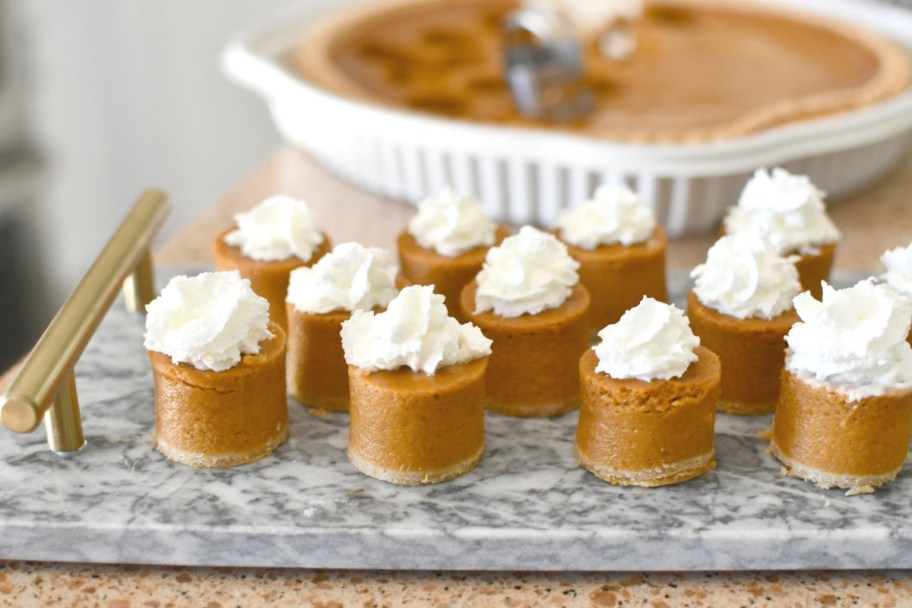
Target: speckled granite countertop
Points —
{"points": [[872, 221], [78, 586]]}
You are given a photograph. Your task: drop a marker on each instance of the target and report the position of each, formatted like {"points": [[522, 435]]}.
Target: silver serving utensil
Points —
{"points": [[544, 66]]}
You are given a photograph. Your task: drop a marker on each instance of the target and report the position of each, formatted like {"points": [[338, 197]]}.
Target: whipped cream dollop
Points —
{"points": [[898, 275], [615, 214], [651, 341], [528, 273], [207, 321], [452, 224], [745, 277], [852, 340], [278, 228], [350, 277], [788, 208], [415, 331]]}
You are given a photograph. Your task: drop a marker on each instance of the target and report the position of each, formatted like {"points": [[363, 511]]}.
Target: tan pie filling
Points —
{"points": [[702, 71], [632, 432], [823, 437], [316, 370], [408, 427], [217, 419], [752, 352], [534, 358]]}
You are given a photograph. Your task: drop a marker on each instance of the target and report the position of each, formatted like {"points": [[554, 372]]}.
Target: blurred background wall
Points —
{"points": [[112, 97]]}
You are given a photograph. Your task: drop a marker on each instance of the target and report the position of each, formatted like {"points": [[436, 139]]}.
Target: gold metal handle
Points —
{"points": [[46, 377]]}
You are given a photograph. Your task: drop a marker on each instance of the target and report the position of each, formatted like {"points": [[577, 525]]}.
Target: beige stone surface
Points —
{"points": [[872, 221]]}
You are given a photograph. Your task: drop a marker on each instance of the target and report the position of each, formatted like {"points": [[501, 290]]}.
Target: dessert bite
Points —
{"points": [[417, 380], [741, 308], [844, 418], [898, 274], [445, 244], [320, 298], [219, 369], [620, 250], [528, 300], [789, 209], [649, 393], [268, 242]]}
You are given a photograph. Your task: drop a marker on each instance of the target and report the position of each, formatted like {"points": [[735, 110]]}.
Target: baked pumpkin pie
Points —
{"points": [[620, 250], [528, 300], [790, 211], [741, 308], [417, 380], [268, 242], [844, 418], [219, 372], [702, 70], [320, 298], [445, 244], [649, 394]]}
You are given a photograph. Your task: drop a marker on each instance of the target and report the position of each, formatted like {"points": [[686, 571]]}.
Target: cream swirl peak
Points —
{"points": [[452, 224], [898, 263], [207, 321], [651, 341], [415, 331], [278, 228], [853, 340], [528, 273], [788, 208], [350, 277], [744, 277], [615, 214]]}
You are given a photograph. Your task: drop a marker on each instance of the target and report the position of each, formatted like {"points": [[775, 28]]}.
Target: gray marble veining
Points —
{"points": [[527, 505]]}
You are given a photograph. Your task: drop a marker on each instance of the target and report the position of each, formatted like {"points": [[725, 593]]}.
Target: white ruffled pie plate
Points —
{"points": [[527, 175]]}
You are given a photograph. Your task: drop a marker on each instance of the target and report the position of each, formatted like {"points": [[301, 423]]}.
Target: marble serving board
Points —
{"points": [[526, 506]]}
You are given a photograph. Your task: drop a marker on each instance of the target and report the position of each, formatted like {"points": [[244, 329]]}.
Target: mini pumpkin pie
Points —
{"points": [[269, 241], [649, 394], [898, 274], [219, 370], [620, 250], [741, 308], [790, 211], [417, 382], [844, 418], [528, 300], [445, 245], [702, 70], [320, 298]]}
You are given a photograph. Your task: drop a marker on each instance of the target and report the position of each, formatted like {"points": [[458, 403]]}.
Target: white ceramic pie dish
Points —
{"points": [[528, 175]]}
